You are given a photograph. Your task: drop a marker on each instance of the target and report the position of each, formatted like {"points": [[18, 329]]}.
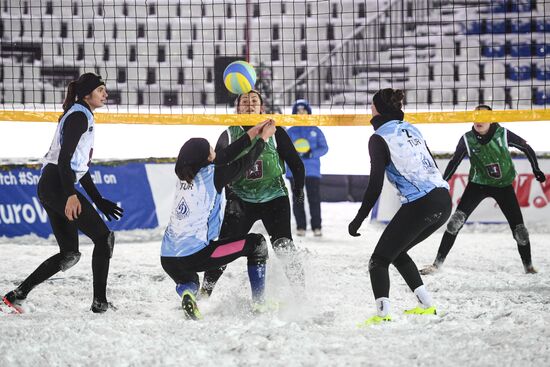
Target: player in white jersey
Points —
{"points": [[191, 242], [66, 164], [398, 149]]}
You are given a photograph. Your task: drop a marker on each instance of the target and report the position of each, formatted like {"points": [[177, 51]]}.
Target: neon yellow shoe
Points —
{"points": [[421, 311], [265, 307], [374, 320], [189, 305]]}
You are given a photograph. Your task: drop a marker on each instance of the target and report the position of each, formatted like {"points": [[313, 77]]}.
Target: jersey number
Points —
{"points": [[407, 132]]}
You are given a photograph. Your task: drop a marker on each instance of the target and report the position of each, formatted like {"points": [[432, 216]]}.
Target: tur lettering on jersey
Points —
{"points": [[412, 169]]}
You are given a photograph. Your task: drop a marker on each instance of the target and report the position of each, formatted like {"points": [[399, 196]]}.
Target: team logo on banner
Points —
{"points": [[182, 210], [493, 170]]}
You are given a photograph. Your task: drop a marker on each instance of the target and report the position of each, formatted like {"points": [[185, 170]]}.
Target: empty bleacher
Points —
{"points": [[446, 54]]}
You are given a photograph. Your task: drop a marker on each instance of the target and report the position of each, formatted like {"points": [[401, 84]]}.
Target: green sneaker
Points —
{"points": [[375, 320], [189, 305], [421, 311]]}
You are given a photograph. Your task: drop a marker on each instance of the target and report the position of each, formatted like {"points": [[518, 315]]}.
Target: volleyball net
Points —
{"points": [[163, 60]]}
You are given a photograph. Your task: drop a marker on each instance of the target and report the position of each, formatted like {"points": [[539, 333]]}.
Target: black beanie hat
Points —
{"points": [[87, 83], [380, 100], [194, 151]]}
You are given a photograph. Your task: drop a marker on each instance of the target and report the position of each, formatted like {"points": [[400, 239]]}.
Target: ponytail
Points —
{"points": [[70, 98], [396, 99]]}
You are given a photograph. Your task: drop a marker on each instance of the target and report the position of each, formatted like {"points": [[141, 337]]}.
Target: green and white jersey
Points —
{"points": [[264, 181], [491, 163]]}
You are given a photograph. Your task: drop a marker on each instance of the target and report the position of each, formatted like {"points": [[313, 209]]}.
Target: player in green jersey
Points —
{"points": [[261, 194], [491, 175]]}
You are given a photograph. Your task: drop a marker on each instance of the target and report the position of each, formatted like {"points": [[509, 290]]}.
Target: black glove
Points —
{"points": [[354, 226], [109, 208], [539, 175], [298, 195]]}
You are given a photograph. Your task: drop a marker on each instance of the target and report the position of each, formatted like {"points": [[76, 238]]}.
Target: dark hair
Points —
{"points": [[393, 97], [483, 107], [77, 89], [238, 100], [192, 157], [388, 100], [70, 98], [185, 172]]}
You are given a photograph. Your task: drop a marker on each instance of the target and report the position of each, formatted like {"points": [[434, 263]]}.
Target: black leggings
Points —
{"points": [[412, 224], [54, 199], [218, 253], [508, 203], [239, 218]]}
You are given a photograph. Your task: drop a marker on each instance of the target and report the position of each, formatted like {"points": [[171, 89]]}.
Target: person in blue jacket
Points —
{"points": [[310, 143]]}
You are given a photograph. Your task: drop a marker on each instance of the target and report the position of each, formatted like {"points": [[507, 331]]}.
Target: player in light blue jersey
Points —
{"points": [[191, 242], [398, 149], [67, 163]]}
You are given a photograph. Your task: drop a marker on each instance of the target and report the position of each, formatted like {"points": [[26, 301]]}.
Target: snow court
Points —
{"points": [[494, 314]]}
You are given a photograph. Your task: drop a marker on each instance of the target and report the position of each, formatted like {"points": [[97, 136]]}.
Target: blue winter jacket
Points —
{"points": [[318, 146]]}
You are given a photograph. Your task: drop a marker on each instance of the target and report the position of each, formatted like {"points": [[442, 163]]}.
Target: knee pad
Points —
{"points": [[259, 253], [283, 245], [377, 261], [521, 235], [456, 222], [105, 246], [68, 260]]}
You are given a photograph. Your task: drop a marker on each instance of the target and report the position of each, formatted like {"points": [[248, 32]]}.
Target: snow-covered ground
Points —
{"points": [[491, 313]]}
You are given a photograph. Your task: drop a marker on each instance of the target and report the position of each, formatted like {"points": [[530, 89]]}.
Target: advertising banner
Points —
{"points": [[21, 212]]}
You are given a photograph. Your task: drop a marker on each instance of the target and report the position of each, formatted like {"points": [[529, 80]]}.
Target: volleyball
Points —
{"points": [[239, 77], [302, 145]]}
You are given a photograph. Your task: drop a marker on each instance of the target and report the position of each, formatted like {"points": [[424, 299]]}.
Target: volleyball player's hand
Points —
{"points": [[257, 130], [354, 226], [73, 207], [540, 176], [268, 129], [109, 208]]}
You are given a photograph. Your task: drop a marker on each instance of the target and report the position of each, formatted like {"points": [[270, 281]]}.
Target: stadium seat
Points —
{"points": [[77, 32], [496, 27], [418, 96], [521, 50], [542, 50], [443, 74], [521, 26], [522, 96], [49, 52], [493, 51], [468, 72], [543, 72], [494, 96], [542, 98], [473, 27], [519, 72]]}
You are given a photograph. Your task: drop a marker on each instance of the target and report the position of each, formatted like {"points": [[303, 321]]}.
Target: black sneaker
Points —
{"points": [[101, 306], [189, 305]]}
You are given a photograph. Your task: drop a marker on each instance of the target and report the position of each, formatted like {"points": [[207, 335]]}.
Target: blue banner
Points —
{"points": [[21, 212]]}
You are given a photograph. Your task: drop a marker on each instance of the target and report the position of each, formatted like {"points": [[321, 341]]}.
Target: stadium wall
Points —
{"points": [[145, 190]]}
